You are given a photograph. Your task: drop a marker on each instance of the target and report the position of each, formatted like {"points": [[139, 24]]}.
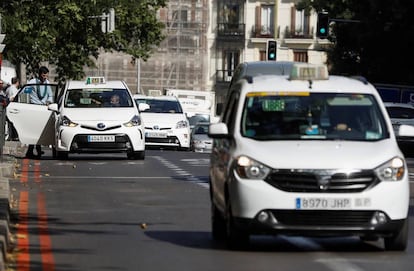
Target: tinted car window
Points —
{"points": [[400, 112]]}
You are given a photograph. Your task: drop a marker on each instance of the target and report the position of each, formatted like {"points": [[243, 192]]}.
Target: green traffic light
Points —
{"points": [[322, 30]]}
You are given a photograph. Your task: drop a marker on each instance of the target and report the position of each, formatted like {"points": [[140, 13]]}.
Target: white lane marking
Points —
{"points": [[187, 176], [330, 260]]}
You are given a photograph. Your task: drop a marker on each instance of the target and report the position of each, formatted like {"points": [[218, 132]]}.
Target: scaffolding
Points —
{"points": [[180, 62]]}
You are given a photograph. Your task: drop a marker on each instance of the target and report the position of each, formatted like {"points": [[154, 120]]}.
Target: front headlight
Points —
{"points": [[181, 124], [250, 169], [65, 121], [135, 121], [393, 170]]}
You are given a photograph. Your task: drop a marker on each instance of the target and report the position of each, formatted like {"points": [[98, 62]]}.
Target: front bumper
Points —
{"points": [[260, 207], [174, 138], [75, 140], [320, 223]]}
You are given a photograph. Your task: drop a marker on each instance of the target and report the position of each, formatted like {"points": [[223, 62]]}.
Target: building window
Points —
{"points": [[230, 61], [300, 56], [266, 20], [300, 24]]}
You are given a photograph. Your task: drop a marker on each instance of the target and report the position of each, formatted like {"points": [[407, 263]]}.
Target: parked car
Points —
{"points": [[83, 119], [166, 125], [200, 141], [402, 113]]}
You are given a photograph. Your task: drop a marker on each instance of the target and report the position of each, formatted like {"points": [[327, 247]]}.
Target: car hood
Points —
{"points": [[321, 154], [102, 114], [161, 119]]}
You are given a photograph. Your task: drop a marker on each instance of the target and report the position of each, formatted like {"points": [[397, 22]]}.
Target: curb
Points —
{"points": [[11, 151]]}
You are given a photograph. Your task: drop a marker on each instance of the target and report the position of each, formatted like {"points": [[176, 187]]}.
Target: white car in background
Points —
{"points": [[402, 113], [83, 120], [166, 125]]}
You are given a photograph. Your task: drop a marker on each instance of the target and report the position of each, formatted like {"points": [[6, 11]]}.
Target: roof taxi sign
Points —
{"points": [[309, 72], [95, 80]]}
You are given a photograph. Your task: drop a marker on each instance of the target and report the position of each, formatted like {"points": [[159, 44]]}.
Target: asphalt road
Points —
{"points": [[104, 212]]}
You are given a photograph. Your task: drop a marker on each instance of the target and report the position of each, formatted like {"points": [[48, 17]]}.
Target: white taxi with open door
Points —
{"points": [[91, 116]]}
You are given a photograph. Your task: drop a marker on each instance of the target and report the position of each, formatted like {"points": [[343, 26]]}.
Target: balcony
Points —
{"points": [[231, 31], [306, 33], [263, 31]]}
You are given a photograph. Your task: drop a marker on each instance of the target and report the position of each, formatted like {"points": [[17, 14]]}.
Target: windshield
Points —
{"points": [[102, 97], [161, 106], [304, 116]]}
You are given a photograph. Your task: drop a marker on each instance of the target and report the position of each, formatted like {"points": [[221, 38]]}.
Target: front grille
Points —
{"points": [[163, 140], [161, 129], [318, 181], [337, 218], [80, 142], [97, 129]]}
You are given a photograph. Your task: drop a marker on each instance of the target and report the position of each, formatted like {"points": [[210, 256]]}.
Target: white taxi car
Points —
{"points": [[91, 116], [307, 154], [166, 125]]}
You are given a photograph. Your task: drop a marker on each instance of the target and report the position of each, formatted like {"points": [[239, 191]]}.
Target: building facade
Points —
{"points": [[206, 39]]}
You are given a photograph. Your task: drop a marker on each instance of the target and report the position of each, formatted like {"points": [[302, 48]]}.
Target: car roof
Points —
{"points": [[405, 105], [160, 98], [78, 84], [338, 84]]}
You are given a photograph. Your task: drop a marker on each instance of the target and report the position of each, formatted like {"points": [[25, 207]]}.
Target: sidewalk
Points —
{"points": [[11, 151]]}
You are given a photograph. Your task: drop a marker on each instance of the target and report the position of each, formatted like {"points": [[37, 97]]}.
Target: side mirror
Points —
{"points": [[143, 107], [218, 130]]}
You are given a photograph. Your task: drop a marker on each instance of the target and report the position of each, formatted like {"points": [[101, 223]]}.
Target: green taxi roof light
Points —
{"points": [[307, 71], [95, 80]]}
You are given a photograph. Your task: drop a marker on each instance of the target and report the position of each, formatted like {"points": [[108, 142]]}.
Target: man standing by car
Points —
{"points": [[41, 94]]}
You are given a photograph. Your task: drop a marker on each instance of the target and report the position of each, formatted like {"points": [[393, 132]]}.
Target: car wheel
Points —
{"points": [[235, 238], [398, 241], [139, 155], [62, 155], [218, 224]]}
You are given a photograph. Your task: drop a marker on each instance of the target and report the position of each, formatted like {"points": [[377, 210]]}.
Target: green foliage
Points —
{"points": [[378, 46], [67, 33]]}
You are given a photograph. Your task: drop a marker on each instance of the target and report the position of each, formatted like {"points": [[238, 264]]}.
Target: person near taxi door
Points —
{"points": [[41, 94]]}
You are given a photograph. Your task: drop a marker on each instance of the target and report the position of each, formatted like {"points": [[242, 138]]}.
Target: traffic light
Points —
{"points": [[322, 27], [271, 50]]}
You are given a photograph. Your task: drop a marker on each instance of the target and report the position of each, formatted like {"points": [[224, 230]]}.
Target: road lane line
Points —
{"points": [[23, 257], [48, 261]]}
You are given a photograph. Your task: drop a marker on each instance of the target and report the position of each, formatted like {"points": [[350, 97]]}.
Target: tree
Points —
{"points": [[377, 45], [67, 33]]}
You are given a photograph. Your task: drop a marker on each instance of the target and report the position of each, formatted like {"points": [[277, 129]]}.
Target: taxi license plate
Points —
{"points": [[323, 203], [156, 134], [101, 138]]}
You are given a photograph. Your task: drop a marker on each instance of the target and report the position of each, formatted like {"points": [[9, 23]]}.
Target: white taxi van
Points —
{"points": [[90, 116], [307, 154]]}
